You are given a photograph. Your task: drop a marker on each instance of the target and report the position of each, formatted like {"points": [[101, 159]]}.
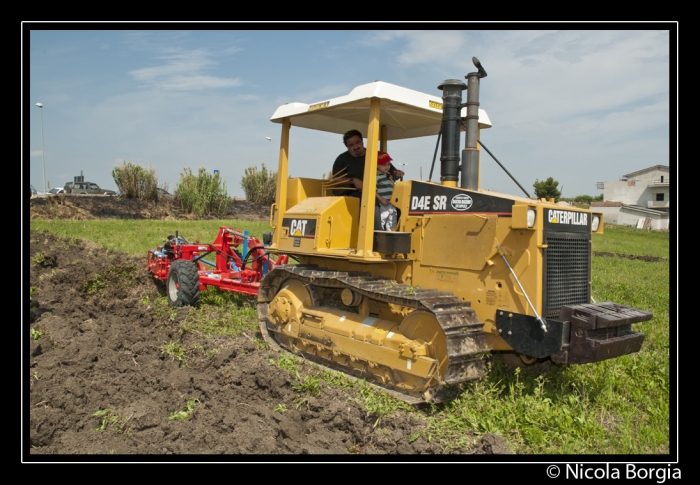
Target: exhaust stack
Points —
{"points": [[451, 123]]}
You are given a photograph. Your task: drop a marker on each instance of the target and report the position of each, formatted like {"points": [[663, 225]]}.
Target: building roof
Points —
{"points": [[646, 210], [650, 169]]}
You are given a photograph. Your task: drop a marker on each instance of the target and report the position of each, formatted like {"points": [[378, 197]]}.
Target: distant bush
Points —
{"points": [[259, 186], [135, 182], [582, 200], [203, 194]]}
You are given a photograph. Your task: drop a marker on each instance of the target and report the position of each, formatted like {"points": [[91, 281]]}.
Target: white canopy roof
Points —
{"points": [[406, 113]]}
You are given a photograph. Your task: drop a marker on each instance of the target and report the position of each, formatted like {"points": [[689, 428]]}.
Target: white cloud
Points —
{"points": [[182, 71]]}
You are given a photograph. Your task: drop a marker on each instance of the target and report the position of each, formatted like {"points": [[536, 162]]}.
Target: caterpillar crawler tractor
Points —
{"points": [[466, 272]]}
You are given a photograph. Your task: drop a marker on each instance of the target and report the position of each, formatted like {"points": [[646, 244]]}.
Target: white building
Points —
{"points": [[640, 199]]}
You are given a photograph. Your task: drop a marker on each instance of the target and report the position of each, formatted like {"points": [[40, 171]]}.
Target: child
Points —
{"points": [[385, 187]]}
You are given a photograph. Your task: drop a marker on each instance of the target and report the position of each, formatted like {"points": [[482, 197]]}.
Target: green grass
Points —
{"points": [[221, 313], [138, 236], [629, 240]]}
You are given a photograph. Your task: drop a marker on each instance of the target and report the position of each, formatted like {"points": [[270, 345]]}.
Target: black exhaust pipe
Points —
{"points": [[449, 153], [451, 121]]}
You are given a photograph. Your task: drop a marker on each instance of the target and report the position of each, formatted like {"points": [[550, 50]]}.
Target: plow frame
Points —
{"points": [[231, 270]]}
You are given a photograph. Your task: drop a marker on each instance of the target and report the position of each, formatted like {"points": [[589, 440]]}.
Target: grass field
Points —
{"points": [[615, 407]]}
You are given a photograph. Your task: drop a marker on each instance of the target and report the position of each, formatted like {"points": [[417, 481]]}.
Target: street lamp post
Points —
{"points": [[270, 157], [43, 165]]}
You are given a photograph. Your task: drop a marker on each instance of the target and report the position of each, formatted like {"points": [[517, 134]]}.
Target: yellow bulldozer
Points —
{"points": [[466, 272]]}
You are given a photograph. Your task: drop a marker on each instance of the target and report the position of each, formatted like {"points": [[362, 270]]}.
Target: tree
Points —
{"points": [[547, 189]]}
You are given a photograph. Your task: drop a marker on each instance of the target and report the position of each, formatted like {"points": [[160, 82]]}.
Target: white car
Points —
{"points": [[57, 190]]}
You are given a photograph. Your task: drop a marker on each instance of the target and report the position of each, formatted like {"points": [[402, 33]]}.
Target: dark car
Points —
{"points": [[86, 188]]}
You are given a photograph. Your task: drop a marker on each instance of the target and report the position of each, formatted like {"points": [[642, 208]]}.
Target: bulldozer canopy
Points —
{"points": [[406, 113]]}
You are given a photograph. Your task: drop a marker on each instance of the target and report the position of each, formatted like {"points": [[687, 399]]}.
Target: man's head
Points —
{"points": [[383, 160], [353, 141]]}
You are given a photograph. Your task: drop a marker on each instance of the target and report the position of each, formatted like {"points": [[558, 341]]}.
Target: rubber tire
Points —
{"points": [[182, 285]]}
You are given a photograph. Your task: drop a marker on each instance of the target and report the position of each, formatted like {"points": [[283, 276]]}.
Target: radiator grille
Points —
{"points": [[567, 272]]}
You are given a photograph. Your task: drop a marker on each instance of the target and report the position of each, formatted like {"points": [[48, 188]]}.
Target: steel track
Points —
{"points": [[466, 342]]}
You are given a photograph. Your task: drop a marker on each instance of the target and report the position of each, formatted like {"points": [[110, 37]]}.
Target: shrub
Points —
{"points": [[203, 194], [259, 186], [135, 182]]}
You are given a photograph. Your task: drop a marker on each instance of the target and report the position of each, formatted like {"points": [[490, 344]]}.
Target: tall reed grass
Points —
{"points": [[203, 194], [259, 186], [135, 182]]}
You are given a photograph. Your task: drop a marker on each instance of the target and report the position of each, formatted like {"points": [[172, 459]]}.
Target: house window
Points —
{"points": [[662, 179], [660, 197]]}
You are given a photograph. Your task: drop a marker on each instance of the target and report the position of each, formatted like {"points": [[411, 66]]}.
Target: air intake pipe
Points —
{"points": [[451, 107], [449, 153]]}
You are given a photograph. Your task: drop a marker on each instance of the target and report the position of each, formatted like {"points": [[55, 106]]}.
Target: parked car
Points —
{"points": [[86, 188], [32, 191], [162, 192], [56, 190]]}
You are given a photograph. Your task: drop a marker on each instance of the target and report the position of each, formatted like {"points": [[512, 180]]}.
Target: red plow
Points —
{"points": [[187, 268]]}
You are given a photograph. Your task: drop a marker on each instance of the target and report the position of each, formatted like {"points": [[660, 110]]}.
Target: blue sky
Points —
{"points": [[582, 106]]}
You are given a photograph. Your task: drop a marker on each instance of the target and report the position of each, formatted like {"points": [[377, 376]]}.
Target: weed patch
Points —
{"points": [[308, 384], [94, 284], [337, 380], [175, 351], [35, 334], [287, 362], [111, 418], [187, 412], [228, 322], [378, 402]]}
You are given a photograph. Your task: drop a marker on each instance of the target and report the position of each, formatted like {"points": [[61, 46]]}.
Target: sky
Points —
{"points": [[579, 105]]}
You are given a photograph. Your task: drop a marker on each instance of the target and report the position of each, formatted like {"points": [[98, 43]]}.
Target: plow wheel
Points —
{"points": [[182, 285]]}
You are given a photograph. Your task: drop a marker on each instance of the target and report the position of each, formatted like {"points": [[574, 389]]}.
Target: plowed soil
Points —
{"points": [[99, 380]]}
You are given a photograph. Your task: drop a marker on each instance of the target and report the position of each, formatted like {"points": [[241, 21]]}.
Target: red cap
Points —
{"points": [[383, 157]]}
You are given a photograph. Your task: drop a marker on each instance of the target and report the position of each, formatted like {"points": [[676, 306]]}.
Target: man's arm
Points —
{"points": [[395, 172]]}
